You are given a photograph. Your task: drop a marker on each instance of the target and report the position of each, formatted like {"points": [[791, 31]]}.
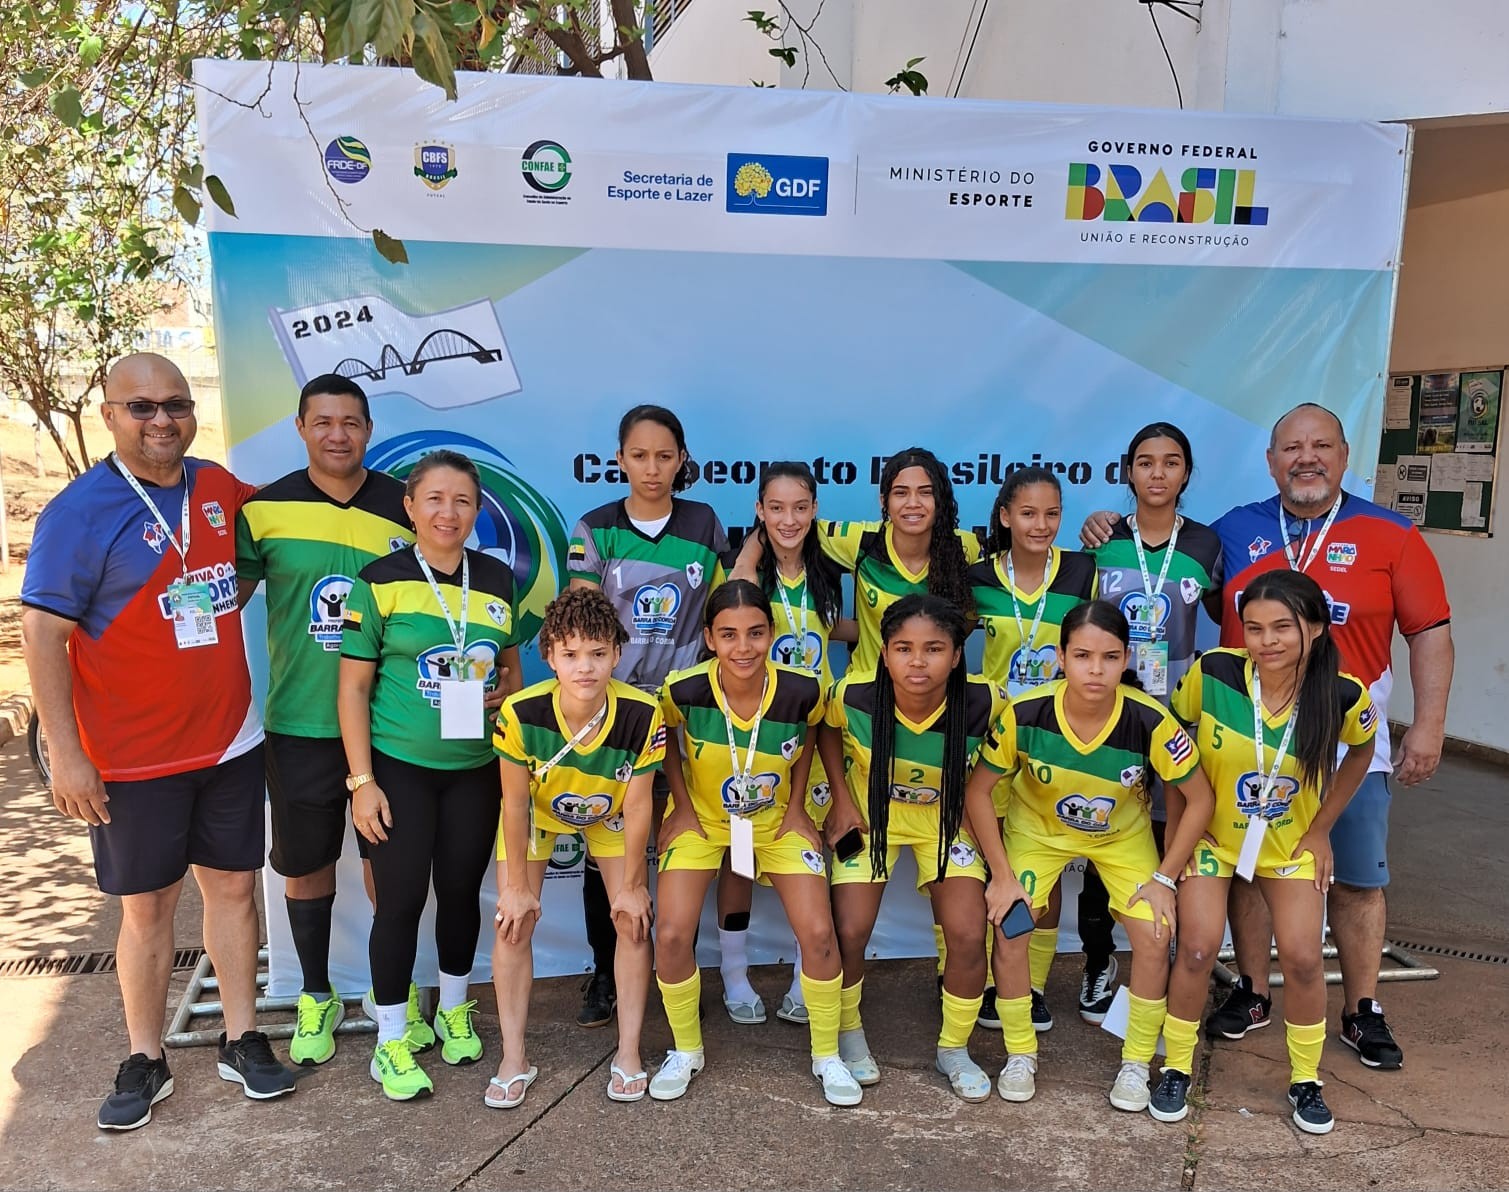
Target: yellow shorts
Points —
{"points": [[603, 839], [1221, 861], [916, 827], [788, 853], [819, 795], [1124, 863]]}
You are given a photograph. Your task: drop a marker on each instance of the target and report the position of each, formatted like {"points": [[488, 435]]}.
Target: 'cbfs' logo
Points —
{"points": [[1118, 194], [771, 184], [347, 160], [655, 608], [327, 610], [435, 165]]}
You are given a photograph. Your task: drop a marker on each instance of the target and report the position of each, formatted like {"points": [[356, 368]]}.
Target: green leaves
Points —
{"points": [[68, 106], [219, 194], [391, 249], [786, 54], [186, 205], [431, 54], [913, 80]]}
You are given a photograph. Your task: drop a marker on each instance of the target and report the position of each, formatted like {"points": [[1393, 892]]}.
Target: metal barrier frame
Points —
{"points": [[1409, 969]]}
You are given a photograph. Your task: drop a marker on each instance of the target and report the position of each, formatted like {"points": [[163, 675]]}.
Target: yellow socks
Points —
{"points": [[1016, 1025], [942, 946], [1179, 1037], [824, 1000], [959, 1014], [1305, 1043], [1144, 1025], [681, 1010], [848, 1006], [1040, 952]]}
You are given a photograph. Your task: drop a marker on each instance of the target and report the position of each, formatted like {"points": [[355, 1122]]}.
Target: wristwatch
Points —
{"points": [[354, 782]]}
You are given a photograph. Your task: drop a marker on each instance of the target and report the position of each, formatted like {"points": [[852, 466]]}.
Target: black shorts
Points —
{"points": [[158, 827], [306, 788]]}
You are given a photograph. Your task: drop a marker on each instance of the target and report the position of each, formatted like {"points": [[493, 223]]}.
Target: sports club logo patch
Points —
{"points": [[1285, 870], [1250, 786], [327, 610], [396, 543], [1031, 668], [1257, 548], [918, 796], [1190, 590], [961, 854], [498, 611], [615, 822], [789, 748], [761, 793], [581, 810], [214, 514], [655, 607], [1341, 554], [1131, 776], [694, 575], [1180, 747], [152, 534], [788, 653], [445, 664], [821, 795], [813, 861], [1085, 815], [1148, 618]]}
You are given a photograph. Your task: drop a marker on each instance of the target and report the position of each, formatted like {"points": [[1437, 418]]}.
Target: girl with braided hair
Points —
{"points": [[902, 738]]}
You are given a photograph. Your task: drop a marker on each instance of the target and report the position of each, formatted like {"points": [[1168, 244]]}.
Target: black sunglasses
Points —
{"points": [[143, 410]]}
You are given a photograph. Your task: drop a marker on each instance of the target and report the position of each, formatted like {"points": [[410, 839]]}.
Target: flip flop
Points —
{"points": [[746, 1013], [509, 1102], [626, 1078]]}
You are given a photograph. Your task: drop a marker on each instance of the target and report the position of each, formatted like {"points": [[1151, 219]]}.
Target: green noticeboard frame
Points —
{"points": [[1438, 457]]}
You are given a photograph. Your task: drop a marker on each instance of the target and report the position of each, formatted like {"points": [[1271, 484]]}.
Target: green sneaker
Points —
{"points": [[459, 1042], [417, 1033], [313, 1039], [394, 1068]]}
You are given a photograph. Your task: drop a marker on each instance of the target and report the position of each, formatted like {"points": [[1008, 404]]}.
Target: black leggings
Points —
{"points": [[445, 828]]}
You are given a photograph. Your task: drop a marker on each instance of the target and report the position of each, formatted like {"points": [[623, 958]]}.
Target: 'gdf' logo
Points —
{"points": [[772, 184], [347, 160], [546, 167], [517, 524]]}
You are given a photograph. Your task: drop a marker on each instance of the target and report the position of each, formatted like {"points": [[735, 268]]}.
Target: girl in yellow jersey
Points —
{"points": [[579, 753], [1078, 751], [1283, 794], [738, 779]]}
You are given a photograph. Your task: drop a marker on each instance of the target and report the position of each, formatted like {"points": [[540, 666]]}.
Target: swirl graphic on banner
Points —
{"points": [[517, 523]]}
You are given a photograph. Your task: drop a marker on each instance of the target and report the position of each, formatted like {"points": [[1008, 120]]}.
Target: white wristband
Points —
{"points": [[1164, 880]]}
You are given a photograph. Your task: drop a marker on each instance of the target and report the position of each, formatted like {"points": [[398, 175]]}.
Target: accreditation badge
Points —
{"points": [[1152, 666], [741, 846], [461, 710], [192, 607]]}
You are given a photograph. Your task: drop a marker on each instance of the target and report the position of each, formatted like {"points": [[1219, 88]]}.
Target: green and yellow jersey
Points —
{"points": [[1093, 790], [811, 656], [917, 766], [587, 785], [866, 550], [1214, 701], [307, 548], [1068, 580], [693, 701], [394, 620]]}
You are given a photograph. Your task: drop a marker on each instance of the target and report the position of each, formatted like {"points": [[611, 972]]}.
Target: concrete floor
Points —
{"points": [[756, 1118]]}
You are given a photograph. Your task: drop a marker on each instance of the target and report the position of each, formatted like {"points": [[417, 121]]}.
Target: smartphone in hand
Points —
{"points": [[849, 845], [1018, 920]]}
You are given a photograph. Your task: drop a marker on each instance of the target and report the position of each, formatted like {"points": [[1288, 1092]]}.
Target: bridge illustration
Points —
{"points": [[446, 343]]}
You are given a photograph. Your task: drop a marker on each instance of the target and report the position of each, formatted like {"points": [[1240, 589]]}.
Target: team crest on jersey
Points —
{"points": [[1180, 747], [1131, 776], [396, 543], [918, 796], [214, 514], [813, 860], [750, 795], [1190, 589], [655, 607], [581, 810], [1250, 787], [1285, 870], [1147, 615], [498, 611], [789, 748], [1085, 815], [446, 664], [961, 854], [154, 536], [694, 575], [615, 822], [788, 653], [821, 795], [327, 610], [1031, 668], [1341, 554], [624, 772], [1257, 548]]}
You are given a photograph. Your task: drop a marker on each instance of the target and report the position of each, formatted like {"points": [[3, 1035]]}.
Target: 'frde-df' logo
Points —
{"points": [[347, 160], [1120, 193], [546, 167], [655, 608], [435, 165], [327, 610], [771, 184]]}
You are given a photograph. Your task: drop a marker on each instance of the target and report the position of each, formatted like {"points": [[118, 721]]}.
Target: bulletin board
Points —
{"points": [[1438, 458]]}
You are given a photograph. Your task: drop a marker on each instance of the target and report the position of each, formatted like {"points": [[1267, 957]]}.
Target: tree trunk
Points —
{"points": [[635, 58]]}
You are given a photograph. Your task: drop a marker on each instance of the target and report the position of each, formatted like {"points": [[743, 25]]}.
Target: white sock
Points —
{"points": [[453, 990], [795, 992], [734, 965], [392, 1021]]}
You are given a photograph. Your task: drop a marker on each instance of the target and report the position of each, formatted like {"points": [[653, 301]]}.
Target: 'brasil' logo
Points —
{"points": [[516, 523], [1118, 194]]}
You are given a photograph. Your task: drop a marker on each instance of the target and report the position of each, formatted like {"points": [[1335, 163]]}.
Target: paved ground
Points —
{"points": [[755, 1118]]}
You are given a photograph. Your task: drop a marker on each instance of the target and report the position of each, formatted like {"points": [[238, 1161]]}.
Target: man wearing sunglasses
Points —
{"points": [[133, 643]]}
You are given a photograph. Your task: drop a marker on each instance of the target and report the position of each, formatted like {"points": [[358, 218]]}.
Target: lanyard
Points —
{"points": [[458, 634], [181, 548], [741, 777], [1270, 780], [1294, 556], [1037, 617], [1168, 555], [801, 634], [581, 735]]}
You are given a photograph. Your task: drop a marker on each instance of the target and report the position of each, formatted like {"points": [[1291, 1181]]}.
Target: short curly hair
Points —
{"points": [[585, 612]]}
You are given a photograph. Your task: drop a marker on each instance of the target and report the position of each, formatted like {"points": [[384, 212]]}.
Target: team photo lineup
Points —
{"points": [[699, 715]]}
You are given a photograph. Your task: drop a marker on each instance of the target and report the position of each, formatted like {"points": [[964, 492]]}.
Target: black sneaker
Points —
{"points": [[1242, 1011], [140, 1083], [989, 1017], [599, 998], [249, 1062], [1310, 1112], [1366, 1033], [1042, 1018], [1170, 1099], [1097, 990]]}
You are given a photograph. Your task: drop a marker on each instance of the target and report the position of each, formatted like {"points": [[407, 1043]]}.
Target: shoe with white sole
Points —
{"points": [[839, 1085], [1018, 1079], [675, 1074]]}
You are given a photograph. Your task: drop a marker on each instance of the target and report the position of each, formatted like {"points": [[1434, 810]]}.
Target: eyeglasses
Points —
{"points": [[144, 411]]}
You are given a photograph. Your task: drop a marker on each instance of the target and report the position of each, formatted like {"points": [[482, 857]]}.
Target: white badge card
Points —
{"points": [[1152, 666], [193, 609], [1252, 845], [461, 716], [741, 845]]}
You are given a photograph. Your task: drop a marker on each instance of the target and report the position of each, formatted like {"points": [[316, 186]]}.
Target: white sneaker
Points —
{"points": [[965, 1077], [854, 1050], [1018, 1079], [839, 1085], [1130, 1092], [675, 1074]]}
